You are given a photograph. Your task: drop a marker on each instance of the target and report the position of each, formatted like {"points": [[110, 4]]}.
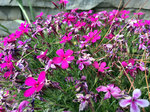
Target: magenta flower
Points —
{"points": [[36, 86], [40, 15], [12, 38], [8, 73], [79, 25], [110, 89], [139, 13], [92, 36], [129, 66], [42, 55], [24, 27], [1, 55], [8, 63], [101, 67], [63, 2], [66, 38], [134, 102], [64, 58]]}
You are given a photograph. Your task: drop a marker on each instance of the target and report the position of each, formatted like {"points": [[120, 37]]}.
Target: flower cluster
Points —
{"points": [[74, 57]]}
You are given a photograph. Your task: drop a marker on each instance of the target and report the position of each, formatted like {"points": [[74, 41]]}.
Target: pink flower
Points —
{"points": [[64, 58], [66, 38], [42, 55], [139, 13], [40, 15], [36, 86], [69, 18], [8, 63], [101, 67], [22, 105], [79, 25], [8, 73], [12, 38], [24, 27], [63, 2], [134, 102], [1, 55], [110, 89], [129, 66], [92, 36], [110, 36]]}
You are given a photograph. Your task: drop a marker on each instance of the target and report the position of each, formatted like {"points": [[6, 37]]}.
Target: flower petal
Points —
{"points": [[60, 52], [134, 107], [125, 102], [142, 102], [64, 65], [29, 92], [30, 81], [107, 95], [39, 87], [110, 86], [101, 88], [131, 61], [106, 68], [81, 66], [68, 53], [124, 64], [45, 52], [41, 77], [96, 65], [57, 60], [101, 70], [70, 58], [136, 93], [103, 64]]}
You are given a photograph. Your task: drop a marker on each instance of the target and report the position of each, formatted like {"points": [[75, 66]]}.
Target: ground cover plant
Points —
{"points": [[77, 61]]}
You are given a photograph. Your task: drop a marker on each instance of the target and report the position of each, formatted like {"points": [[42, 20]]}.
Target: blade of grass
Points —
{"points": [[3, 28], [23, 10], [31, 11]]}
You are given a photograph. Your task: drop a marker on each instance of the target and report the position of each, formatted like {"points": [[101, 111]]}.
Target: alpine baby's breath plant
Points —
{"points": [[72, 62]]}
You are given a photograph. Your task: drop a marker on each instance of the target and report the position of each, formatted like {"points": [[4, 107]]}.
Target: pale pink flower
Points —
{"points": [[84, 101], [22, 105], [64, 58], [36, 86], [83, 62], [134, 102], [110, 89], [50, 64]]}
